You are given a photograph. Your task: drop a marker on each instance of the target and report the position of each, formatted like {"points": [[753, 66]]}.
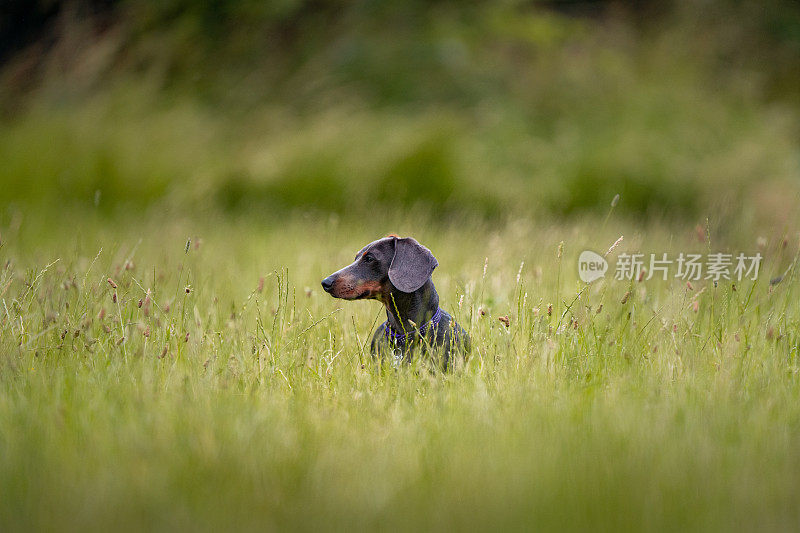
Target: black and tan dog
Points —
{"points": [[397, 272]]}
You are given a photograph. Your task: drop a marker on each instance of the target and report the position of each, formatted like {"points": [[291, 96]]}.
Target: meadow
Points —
{"points": [[162, 374], [176, 178]]}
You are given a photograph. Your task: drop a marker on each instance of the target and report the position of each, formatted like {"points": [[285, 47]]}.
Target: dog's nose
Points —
{"points": [[327, 283]]}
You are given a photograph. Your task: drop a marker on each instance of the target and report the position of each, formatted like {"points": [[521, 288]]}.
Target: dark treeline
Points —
{"points": [[764, 35]]}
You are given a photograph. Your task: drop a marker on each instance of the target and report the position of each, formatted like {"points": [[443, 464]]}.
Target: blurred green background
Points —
{"points": [[489, 109]]}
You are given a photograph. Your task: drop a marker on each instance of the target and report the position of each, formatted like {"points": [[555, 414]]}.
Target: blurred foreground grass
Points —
{"points": [[638, 415]]}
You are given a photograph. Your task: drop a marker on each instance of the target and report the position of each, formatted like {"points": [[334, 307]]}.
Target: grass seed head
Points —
{"points": [[700, 233], [112, 283], [613, 246]]}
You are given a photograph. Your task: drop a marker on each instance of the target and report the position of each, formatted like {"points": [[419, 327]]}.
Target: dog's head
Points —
{"points": [[391, 262]]}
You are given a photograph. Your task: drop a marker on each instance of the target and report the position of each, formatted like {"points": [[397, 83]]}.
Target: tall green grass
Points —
{"points": [[249, 400], [173, 188]]}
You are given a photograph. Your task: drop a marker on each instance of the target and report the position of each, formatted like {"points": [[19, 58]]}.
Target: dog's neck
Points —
{"points": [[404, 307]]}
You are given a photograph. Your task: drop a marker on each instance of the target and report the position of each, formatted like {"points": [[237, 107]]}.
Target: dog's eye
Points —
{"points": [[368, 259]]}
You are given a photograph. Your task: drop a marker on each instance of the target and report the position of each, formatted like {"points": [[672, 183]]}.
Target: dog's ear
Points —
{"points": [[411, 266]]}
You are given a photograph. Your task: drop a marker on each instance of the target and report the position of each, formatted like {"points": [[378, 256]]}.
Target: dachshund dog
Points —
{"points": [[397, 273]]}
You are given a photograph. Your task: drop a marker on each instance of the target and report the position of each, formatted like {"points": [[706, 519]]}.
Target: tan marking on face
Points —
{"points": [[344, 287], [373, 289]]}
